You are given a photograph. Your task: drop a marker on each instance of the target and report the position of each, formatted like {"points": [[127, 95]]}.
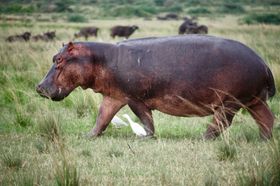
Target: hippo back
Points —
{"points": [[188, 63]]}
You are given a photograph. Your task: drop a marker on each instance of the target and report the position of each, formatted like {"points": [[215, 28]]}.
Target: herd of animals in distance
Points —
{"points": [[189, 26]]}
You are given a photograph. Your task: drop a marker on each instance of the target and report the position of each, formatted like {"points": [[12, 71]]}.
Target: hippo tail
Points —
{"points": [[270, 84]]}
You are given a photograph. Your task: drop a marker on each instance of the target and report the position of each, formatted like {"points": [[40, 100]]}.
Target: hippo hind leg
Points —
{"points": [[223, 117], [264, 118], [144, 114]]}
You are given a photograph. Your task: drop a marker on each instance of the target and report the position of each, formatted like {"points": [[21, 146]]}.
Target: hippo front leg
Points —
{"points": [[108, 108], [144, 114]]}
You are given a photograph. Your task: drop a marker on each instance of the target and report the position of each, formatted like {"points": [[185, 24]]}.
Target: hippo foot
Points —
{"points": [[91, 136], [209, 136], [265, 136], [147, 137]]}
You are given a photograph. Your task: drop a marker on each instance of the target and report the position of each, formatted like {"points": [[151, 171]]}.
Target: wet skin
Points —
{"points": [[182, 75]]}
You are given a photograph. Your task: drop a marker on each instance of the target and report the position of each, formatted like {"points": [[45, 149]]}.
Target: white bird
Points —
{"points": [[118, 122], [136, 128]]}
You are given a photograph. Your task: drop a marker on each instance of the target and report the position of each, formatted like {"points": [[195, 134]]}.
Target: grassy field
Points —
{"points": [[42, 142]]}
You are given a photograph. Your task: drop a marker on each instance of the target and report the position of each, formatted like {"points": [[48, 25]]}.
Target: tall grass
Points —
{"points": [[267, 172]]}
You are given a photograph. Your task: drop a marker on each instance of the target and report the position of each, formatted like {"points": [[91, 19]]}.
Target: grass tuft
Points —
{"points": [[49, 128], [86, 153], [211, 180], [267, 173], [226, 151], [12, 160], [22, 119], [66, 175], [25, 179], [114, 153], [41, 146]]}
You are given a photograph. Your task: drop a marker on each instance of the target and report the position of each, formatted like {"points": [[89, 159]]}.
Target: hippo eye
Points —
{"points": [[59, 59]]}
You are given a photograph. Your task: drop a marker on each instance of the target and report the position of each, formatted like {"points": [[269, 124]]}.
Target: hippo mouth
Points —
{"points": [[55, 96]]}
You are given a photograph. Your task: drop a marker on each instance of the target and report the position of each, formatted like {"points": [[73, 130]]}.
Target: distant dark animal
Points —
{"points": [[87, 32], [39, 37], [22, 37], [47, 36], [201, 29], [162, 18], [50, 35], [193, 18], [192, 75], [172, 16], [187, 23], [123, 31], [191, 27]]}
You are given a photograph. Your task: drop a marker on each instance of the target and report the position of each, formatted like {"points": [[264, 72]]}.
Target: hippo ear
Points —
{"points": [[70, 46]]}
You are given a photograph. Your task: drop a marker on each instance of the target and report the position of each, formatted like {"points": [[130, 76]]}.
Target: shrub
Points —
{"points": [[262, 18], [175, 8], [199, 10], [63, 6], [231, 8], [129, 11], [16, 8], [159, 2], [77, 18]]}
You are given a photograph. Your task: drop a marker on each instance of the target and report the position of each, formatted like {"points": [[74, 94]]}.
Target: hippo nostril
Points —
{"points": [[39, 89]]}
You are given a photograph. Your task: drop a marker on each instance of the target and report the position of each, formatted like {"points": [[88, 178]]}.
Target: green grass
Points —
{"points": [[226, 151], [42, 142]]}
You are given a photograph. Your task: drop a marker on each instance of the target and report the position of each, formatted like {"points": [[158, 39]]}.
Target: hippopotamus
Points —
{"points": [[192, 75]]}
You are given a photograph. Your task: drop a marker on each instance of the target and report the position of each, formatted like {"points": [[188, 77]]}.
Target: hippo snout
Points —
{"points": [[41, 91], [50, 92]]}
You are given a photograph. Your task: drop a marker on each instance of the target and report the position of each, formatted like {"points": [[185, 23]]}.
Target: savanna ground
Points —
{"points": [[42, 142]]}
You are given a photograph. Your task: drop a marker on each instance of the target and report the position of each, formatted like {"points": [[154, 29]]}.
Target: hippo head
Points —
{"points": [[134, 27], [69, 70]]}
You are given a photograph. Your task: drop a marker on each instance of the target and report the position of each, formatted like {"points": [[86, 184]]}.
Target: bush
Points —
{"points": [[63, 6], [77, 18], [130, 11], [231, 9], [199, 11], [262, 18], [175, 8], [16, 8]]}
